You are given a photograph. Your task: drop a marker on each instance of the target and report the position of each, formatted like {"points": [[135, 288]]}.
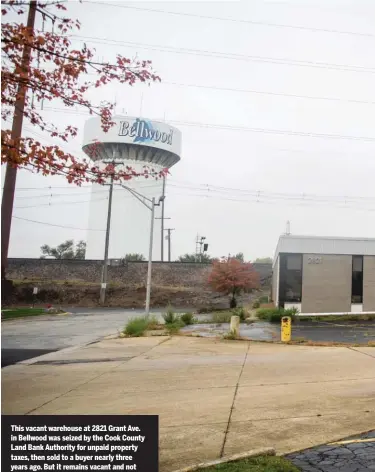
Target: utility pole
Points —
{"points": [[169, 230], [103, 286], [201, 243], [163, 218], [11, 172]]}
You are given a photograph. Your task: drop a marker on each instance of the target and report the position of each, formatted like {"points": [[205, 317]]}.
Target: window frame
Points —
{"points": [[357, 298], [283, 276]]}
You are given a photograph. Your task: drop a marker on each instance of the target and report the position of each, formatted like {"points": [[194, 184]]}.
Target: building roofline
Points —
{"points": [[296, 237], [340, 238]]}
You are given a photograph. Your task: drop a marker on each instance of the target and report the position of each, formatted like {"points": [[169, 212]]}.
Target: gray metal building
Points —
{"points": [[324, 274]]}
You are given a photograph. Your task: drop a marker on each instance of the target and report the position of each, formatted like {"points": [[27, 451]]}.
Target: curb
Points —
{"points": [[263, 451], [35, 316], [51, 355]]}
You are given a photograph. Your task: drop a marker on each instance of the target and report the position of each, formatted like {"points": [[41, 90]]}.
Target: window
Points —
{"points": [[290, 278], [357, 279]]}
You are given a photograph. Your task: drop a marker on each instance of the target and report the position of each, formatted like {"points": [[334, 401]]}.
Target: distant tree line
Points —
{"points": [[65, 250], [68, 250]]}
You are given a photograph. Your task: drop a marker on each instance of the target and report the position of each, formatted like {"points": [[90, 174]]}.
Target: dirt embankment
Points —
{"points": [[70, 294]]}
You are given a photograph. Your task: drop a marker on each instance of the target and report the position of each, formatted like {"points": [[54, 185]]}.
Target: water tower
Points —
{"points": [[133, 142]]}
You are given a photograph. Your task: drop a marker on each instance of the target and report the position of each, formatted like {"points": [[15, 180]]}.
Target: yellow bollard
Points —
{"points": [[286, 329]]}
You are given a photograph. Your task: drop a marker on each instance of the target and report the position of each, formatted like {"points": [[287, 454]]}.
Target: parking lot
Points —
{"points": [[25, 338], [356, 332], [30, 337]]}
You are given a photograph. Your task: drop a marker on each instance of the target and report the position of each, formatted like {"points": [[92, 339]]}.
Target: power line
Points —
{"points": [[273, 131], [57, 226], [239, 90], [260, 92], [257, 192], [223, 55], [235, 20], [210, 188], [60, 203], [54, 195], [273, 201], [255, 130]]}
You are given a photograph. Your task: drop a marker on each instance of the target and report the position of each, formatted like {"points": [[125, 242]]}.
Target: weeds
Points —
{"points": [[174, 328], [221, 317], [274, 315], [173, 322], [136, 327], [241, 312], [230, 336], [188, 319], [153, 323], [225, 316], [254, 464], [170, 316]]}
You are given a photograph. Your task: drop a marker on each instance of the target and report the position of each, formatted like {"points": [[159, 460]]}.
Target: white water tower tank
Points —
{"points": [[134, 142]]}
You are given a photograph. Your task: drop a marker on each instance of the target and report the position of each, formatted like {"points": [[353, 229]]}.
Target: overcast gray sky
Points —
{"points": [[284, 168]]}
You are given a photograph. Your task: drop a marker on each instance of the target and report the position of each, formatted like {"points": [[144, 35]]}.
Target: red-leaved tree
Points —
{"points": [[232, 277], [41, 66]]}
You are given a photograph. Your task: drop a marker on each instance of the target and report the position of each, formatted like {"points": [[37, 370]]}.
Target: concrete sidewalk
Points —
{"points": [[213, 397]]}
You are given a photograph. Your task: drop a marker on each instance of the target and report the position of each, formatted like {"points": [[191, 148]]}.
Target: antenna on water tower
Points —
{"points": [[287, 228]]}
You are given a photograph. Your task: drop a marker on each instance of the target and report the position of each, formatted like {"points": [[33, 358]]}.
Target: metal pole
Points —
{"points": [[149, 268], [11, 172], [162, 222], [105, 262]]}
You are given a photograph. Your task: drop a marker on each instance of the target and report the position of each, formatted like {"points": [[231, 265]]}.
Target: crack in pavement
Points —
{"points": [[234, 399], [93, 378]]}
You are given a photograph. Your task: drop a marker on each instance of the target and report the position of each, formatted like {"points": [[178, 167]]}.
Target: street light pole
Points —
{"points": [[149, 266], [162, 222], [151, 206]]}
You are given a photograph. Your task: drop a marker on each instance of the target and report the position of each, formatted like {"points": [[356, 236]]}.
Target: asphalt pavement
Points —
{"points": [[22, 339], [26, 338], [354, 454], [335, 331]]}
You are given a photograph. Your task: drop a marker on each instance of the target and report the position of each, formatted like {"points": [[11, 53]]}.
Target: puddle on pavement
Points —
{"points": [[257, 331]]}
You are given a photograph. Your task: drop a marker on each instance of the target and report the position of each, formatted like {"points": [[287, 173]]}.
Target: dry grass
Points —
{"points": [[267, 305]]}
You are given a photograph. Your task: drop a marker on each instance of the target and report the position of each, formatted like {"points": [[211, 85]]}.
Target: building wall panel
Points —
{"points": [[326, 283], [369, 283], [275, 282]]}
